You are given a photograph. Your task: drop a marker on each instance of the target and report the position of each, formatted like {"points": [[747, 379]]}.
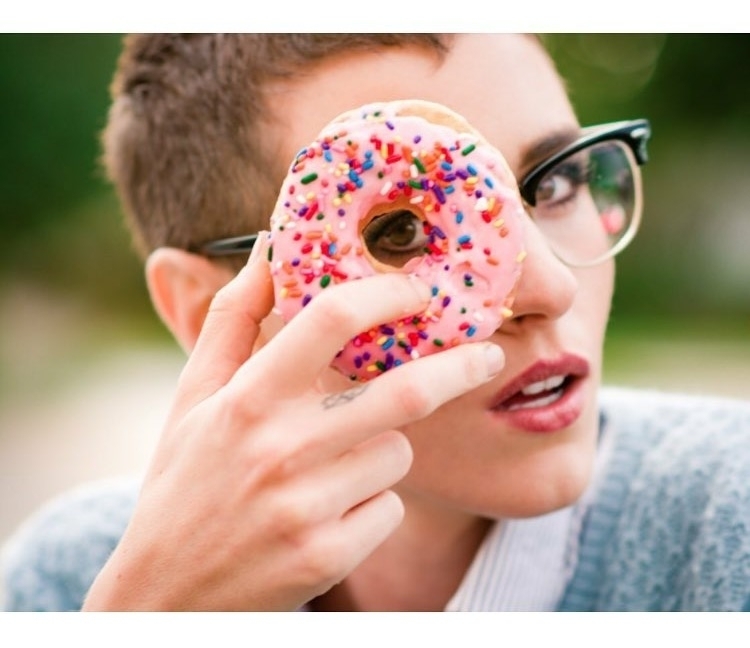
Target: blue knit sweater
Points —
{"points": [[667, 528]]}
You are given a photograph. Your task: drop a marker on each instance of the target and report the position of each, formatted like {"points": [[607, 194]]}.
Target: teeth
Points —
{"points": [[553, 382], [539, 402]]}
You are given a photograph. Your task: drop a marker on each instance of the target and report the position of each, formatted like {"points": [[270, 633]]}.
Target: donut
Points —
{"points": [[404, 186]]}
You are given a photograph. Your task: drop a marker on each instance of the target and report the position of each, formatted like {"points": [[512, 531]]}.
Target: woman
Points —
{"points": [[495, 475]]}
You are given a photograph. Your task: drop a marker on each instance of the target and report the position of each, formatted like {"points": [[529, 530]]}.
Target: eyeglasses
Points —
{"points": [[586, 199]]}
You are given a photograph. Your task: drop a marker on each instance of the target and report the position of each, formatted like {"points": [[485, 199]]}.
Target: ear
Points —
{"points": [[181, 286]]}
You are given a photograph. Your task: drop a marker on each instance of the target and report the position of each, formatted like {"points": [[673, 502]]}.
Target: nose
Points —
{"points": [[547, 286]]}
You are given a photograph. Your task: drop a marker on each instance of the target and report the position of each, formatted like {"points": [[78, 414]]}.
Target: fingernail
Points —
{"points": [[495, 359], [261, 245]]}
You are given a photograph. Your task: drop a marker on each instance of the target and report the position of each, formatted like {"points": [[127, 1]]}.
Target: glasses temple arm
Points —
{"points": [[229, 246]]}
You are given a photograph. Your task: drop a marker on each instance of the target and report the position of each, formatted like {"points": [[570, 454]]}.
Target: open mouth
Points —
{"points": [[547, 396], [538, 394], [545, 387]]}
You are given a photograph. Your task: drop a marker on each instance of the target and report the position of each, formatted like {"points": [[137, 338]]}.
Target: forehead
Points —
{"points": [[504, 85]]}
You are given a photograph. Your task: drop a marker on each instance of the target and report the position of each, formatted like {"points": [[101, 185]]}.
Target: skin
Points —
{"points": [[265, 491]]}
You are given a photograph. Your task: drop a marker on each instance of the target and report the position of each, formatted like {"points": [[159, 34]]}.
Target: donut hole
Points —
{"points": [[393, 235]]}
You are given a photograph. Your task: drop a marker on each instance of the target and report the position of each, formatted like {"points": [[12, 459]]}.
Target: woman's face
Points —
{"points": [[522, 444]]}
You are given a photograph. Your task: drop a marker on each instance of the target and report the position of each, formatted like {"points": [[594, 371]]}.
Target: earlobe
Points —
{"points": [[181, 286]]}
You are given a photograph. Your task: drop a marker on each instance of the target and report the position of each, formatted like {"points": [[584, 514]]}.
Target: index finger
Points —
{"points": [[294, 358]]}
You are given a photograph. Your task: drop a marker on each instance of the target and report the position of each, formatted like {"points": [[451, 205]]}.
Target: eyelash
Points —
{"points": [[379, 225], [575, 172], [380, 229]]}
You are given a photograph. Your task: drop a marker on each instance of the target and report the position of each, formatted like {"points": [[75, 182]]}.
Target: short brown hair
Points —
{"points": [[185, 143]]}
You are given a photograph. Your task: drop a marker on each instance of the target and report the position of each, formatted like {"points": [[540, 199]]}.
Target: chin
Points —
{"points": [[533, 498], [551, 494], [549, 471], [525, 476], [553, 478]]}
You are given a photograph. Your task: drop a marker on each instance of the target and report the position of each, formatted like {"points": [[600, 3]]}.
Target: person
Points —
{"points": [[497, 475]]}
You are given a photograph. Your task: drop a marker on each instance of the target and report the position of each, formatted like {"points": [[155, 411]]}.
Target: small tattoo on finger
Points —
{"points": [[335, 400]]}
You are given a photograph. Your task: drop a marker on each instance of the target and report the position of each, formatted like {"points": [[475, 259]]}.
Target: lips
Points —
{"points": [[545, 397], [538, 394]]}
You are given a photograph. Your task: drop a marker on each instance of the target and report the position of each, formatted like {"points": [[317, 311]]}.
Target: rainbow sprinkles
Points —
{"points": [[462, 190]]}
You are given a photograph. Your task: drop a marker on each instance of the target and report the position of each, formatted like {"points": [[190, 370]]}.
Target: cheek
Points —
{"points": [[594, 298], [604, 287], [499, 480]]}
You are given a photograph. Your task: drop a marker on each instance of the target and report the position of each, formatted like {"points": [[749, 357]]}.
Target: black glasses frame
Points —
{"points": [[229, 246], [635, 133]]}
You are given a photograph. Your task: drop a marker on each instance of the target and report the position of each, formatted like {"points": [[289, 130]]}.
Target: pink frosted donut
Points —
{"points": [[403, 186]]}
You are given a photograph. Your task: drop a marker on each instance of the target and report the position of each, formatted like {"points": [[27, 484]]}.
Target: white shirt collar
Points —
{"points": [[524, 565], [521, 566]]}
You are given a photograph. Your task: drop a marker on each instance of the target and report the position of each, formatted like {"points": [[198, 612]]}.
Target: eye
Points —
{"points": [[395, 237], [562, 183]]}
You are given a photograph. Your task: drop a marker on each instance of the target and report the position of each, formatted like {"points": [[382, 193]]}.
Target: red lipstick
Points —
{"points": [[546, 397]]}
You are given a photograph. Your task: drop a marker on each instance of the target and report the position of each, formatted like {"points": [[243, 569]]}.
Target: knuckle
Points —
{"points": [[331, 313], [285, 456], [322, 560], [272, 463], [414, 400], [292, 516], [280, 464], [239, 412], [222, 299]]}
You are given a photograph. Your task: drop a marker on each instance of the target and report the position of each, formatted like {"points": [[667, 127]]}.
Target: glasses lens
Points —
{"points": [[588, 205]]}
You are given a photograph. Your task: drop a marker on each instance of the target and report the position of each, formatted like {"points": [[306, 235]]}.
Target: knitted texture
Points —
{"points": [[53, 558], [670, 525]]}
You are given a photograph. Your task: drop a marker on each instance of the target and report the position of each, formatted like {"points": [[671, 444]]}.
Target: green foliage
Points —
{"points": [[60, 226], [54, 90], [681, 82]]}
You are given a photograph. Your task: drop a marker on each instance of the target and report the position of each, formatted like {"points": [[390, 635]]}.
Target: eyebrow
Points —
{"points": [[540, 150]]}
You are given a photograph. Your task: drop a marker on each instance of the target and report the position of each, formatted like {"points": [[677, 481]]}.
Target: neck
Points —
{"points": [[418, 568]]}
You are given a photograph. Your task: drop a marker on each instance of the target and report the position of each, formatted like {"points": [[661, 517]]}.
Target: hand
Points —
{"points": [[264, 492]]}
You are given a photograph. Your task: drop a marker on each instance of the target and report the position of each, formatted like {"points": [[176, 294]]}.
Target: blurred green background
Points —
{"points": [[70, 283]]}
